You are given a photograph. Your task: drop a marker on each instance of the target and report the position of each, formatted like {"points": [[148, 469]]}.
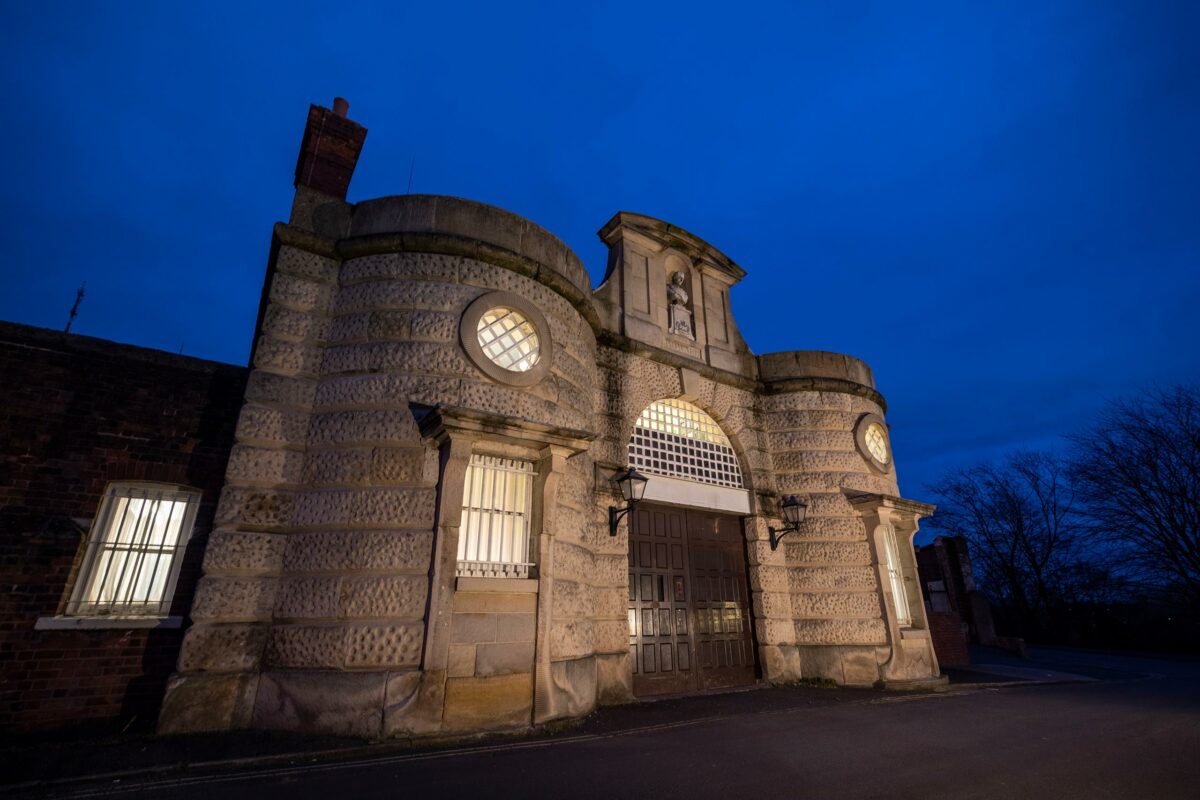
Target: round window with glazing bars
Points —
{"points": [[509, 339], [506, 337]]}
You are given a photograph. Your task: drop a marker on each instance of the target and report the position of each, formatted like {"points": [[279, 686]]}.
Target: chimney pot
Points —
{"points": [[340, 106]]}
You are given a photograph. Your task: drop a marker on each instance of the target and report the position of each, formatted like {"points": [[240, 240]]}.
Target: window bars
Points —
{"points": [[896, 576], [131, 565], [676, 439], [493, 540]]}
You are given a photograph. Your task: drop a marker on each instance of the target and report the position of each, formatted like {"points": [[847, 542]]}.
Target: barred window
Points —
{"points": [[132, 558], [494, 540], [896, 576], [676, 439]]}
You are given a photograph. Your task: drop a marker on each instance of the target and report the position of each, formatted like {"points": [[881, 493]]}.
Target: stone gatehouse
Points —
{"points": [[414, 536]]}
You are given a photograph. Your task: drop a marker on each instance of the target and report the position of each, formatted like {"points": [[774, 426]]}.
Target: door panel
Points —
{"points": [[689, 615]]}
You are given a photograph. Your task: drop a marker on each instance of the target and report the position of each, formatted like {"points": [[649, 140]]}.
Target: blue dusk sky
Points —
{"points": [[996, 205]]}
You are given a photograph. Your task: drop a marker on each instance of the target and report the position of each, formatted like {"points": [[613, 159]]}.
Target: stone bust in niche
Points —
{"points": [[679, 317]]}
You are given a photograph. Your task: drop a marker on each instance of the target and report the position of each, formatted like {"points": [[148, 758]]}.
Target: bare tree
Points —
{"points": [[1021, 521], [1138, 472]]}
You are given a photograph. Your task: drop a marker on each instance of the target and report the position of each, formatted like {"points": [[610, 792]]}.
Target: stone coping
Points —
{"points": [[792, 364], [468, 219]]}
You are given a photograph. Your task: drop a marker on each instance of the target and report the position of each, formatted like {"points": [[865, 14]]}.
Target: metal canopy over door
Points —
{"points": [[689, 615]]}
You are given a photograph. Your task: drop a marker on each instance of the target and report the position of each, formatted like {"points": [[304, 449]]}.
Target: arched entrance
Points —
{"points": [[689, 602]]}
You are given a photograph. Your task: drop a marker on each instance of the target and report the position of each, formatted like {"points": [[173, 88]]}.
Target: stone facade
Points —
{"points": [[329, 600]]}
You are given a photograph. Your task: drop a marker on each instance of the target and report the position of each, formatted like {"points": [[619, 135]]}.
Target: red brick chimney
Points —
{"points": [[329, 150]]}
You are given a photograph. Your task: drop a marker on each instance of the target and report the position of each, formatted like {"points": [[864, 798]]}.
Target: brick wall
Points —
{"points": [[76, 413], [949, 638]]}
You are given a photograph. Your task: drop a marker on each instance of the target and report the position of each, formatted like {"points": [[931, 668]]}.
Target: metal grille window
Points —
{"points": [[676, 439], [896, 576], [494, 540], [131, 562]]}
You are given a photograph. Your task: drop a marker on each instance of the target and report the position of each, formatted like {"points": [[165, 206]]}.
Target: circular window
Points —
{"points": [[871, 436], [508, 339], [877, 442]]}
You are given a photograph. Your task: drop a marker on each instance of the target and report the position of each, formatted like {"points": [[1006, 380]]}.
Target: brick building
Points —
{"points": [[78, 415], [470, 491]]}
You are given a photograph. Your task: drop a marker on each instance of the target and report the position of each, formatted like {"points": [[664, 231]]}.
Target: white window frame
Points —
{"points": [[896, 577], [495, 536], [114, 515]]}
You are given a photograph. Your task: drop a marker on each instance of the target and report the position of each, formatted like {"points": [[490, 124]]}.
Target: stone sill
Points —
{"points": [[104, 623], [914, 633], [509, 585]]}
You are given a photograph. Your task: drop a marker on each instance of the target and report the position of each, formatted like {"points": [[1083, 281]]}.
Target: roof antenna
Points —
{"points": [[411, 167], [75, 308]]}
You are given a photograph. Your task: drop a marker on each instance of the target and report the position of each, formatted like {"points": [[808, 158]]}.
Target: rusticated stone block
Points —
{"points": [[258, 425], [337, 467], [611, 635], [258, 508], [470, 628], [280, 390], [773, 604], [249, 464], [231, 552], [351, 550], [402, 508], [611, 602], [363, 427], [300, 294], [614, 678], [384, 645], [222, 648], [493, 399], [572, 562], [852, 553], [572, 639], [434, 326], [850, 578], [303, 264], [572, 599], [344, 391], [285, 324], [500, 701], [349, 328], [349, 704], [387, 596], [234, 599], [838, 528], [426, 295], [836, 605], [307, 646], [308, 598], [807, 482], [420, 266], [287, 358], [807, 421], [394, 465], [840, 631], [769, 579], [611, 570]]}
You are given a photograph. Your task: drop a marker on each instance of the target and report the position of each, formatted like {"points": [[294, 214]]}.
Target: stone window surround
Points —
{"points": [[459, 432], [860, 441], [468, 337], [877, 512]]}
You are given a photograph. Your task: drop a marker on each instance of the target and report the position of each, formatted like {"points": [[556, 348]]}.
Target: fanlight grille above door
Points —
{"points": [[678, 440]]}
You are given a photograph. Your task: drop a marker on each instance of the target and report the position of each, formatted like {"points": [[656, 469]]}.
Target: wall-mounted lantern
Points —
{"points": [[794, 510], [633, 488]]}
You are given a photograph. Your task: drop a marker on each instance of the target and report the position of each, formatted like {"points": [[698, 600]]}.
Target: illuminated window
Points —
{"points": [[509, 339], [494, 540], [132, 559], [677, 439], [876, 439], [896, 576]]}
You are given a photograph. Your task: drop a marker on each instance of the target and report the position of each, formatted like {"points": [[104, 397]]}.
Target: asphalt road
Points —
{"points": [[1133, 733]]}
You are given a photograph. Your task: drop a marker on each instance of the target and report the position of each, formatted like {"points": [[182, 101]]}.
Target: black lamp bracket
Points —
{"points": [[615, 514], [777, 535]]}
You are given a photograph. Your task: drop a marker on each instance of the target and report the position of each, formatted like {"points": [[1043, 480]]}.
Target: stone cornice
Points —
{"points": [[867, 501], [443, 422]]}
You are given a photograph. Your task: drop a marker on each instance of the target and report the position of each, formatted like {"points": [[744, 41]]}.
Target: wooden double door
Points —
{"points": [[689, 608]]}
